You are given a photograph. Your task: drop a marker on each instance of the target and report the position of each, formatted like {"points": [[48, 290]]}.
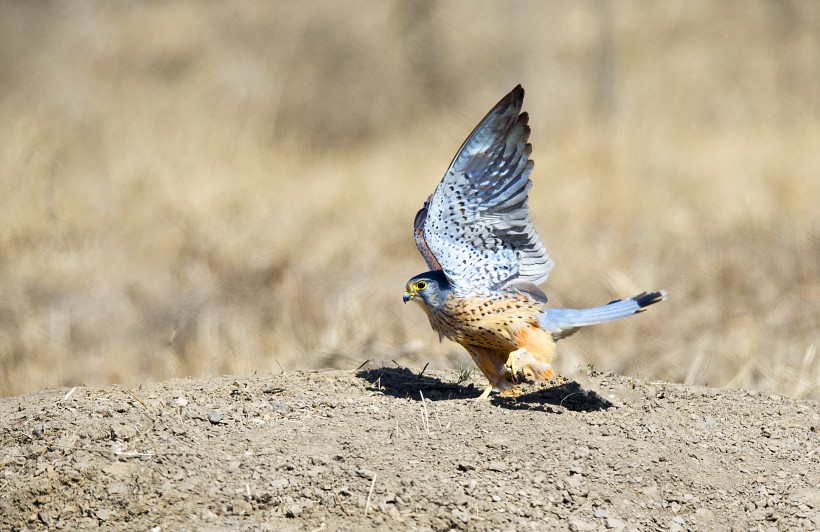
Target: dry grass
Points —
{"points": [[194, 188]]}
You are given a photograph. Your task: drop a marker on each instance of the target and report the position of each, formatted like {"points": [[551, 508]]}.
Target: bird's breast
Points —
{"points": [[486, 321]]}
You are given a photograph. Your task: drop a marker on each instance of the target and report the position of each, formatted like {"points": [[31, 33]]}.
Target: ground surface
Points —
{"points": [[340, 450]]}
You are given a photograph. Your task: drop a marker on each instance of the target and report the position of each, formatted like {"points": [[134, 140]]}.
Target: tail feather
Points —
{"points": [[562, 322]]}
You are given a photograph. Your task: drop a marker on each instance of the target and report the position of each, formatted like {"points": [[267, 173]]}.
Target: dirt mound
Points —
{"points": [[359, 450]]}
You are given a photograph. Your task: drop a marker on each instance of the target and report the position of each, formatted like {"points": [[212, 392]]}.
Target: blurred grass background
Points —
{"points": [[202, 187]]}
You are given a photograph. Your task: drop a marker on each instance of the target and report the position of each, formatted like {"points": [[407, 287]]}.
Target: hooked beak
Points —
{"points": [[408, 296]]}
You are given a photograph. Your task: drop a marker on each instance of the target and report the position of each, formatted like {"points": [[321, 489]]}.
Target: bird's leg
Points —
{"points": [[511, 362], [485, 394]]}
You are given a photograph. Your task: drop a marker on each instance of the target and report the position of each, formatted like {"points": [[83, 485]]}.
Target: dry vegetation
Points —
{"points": [[194, 188]]}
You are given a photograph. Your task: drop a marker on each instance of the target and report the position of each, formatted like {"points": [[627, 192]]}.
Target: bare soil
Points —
{"points": [[361, 450]]}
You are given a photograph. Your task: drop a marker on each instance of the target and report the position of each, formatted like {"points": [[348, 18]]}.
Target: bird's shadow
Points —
{"points": [[403, 383]]}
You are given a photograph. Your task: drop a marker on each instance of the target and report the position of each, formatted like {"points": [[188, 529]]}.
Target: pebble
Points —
{"points": [[579, 525], [460, 515], [614, 523], [759, 514], [123, 432], [497, 466]]}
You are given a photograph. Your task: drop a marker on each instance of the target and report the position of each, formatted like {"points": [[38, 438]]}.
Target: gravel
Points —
{"points": [[361, 450]]}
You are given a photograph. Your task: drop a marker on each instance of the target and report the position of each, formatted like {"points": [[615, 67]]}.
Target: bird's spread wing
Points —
{"points": [[476, 226]]}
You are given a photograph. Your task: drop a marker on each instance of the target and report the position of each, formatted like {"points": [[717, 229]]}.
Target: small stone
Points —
{"points": [[705, 514], [181, 402], [651, 491], [497, 466], [758, 515], [460, 515], [613, 523], [579, 525], [123, 432], [215, 418], [242, 507], [293, 510], [118, 446], [601, 513], [366, 473], [582, 452]]}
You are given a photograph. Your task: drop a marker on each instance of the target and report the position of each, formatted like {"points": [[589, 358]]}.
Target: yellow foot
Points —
{"points": [[511, 365], [485, 394]]}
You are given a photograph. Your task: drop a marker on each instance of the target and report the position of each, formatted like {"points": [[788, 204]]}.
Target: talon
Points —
{"points": [[485, 394], [511, 365]]}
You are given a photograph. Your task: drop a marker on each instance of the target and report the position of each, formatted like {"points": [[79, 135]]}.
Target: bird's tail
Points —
{"points": [[562, 322]]}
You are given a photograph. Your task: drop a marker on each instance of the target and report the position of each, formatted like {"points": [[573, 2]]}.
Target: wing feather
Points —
{"points": [[476, 226], [418, 235]]}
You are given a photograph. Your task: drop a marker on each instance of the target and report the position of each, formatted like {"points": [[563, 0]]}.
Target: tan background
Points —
{"points": [[195, 188]]}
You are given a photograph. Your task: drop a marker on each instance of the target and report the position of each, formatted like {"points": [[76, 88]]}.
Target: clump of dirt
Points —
{"points": [[386, 447]]}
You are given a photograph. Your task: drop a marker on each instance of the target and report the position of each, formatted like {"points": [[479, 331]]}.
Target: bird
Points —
{"points": [[486, 259]]}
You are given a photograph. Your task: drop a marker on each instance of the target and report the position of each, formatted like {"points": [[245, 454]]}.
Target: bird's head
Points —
{"points": [[430, 289]]}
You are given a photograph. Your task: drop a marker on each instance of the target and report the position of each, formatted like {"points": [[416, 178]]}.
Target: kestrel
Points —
{"points": [[486, 259]]}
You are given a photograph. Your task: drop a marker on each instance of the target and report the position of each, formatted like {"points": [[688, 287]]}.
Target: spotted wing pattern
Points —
{"points": [[476, 226]]}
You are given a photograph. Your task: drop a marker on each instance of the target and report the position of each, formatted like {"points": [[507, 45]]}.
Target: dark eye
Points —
{"points": [[421, 285]]}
